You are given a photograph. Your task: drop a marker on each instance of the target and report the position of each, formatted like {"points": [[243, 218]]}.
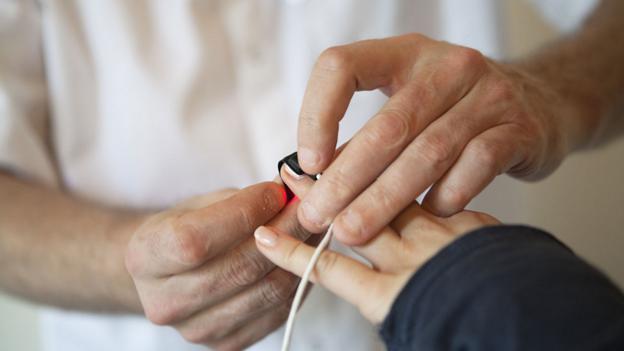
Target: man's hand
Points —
{"points": [[400, 249], [455, 119], [197, 269]]}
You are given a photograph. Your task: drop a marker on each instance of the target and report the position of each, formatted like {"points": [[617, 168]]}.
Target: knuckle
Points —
{"points": [[335, 58], [160, 313], [190, 246], [416, 37], [485, 154], [384, 198], [454, 199], [276, 291], [243, 270], [391, 128], [339, 185], [436, 150], [464, 59], [501, 91], [195, 335]]}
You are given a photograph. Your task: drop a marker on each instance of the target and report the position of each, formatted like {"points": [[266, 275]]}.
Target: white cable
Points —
{"points": [[302, 286]]}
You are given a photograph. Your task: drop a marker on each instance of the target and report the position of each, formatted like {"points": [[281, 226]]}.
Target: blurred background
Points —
{"points": [[580, 203]]}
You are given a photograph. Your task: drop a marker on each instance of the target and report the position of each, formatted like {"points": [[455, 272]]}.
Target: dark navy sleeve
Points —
{"points": [[506, 288]]}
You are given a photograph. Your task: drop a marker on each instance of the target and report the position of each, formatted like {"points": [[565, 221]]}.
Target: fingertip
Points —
{"points": [[430, 206], [298, 184], [435, 204], [315, 160], [347, 234], [277, 192], [310, 160], [348, 228], [349, 239], [266, 237], [288, 175]]}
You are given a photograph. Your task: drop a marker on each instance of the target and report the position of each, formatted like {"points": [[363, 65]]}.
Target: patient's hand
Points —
{"points": [[396, 253]]}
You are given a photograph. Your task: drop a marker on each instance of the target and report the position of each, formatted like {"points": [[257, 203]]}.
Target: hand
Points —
{"points": [[455, 119], [197, 269], [413, 238]]}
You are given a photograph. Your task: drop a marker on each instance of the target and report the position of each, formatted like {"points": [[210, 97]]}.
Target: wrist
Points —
{"points": [[123, 292], [578, 110]]}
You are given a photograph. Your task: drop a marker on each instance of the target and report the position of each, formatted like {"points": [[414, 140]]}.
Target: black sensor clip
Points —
{"points": [[293, 163]]}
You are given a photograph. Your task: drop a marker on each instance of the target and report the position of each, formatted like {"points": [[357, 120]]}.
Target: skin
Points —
{"points": [[454, 120], [403, 246], [194, 267], [60, 250]]}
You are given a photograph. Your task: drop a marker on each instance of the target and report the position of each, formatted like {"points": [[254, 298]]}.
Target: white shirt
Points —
{"points": [[146, 103]]}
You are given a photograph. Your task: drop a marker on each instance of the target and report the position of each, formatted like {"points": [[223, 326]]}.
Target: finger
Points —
{"points": [[343, 276], [384, 251], [485, 157], [419, 165], [466, 221], [253, 331], [298, 184], [273, 291], [200, 201], [186, 241], [235, 270], [269, 318], [337, 74], [379, 143], [422, 235], [413, 219]]}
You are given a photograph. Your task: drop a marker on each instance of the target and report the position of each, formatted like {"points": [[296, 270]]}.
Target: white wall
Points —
{"points": [[581, 202]]}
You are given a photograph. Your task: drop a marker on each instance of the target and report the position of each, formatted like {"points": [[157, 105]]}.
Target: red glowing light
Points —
{"points": [[285, 194]]}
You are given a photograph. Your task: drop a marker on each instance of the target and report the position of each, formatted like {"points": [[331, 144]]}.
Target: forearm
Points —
{"points": [[586, 70], [61, 251]]}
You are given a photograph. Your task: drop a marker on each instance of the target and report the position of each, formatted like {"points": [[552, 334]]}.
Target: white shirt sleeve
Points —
{"points": [[24, 123], [566, 15]]}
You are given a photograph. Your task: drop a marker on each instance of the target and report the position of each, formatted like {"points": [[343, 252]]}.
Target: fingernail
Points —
{"points": [[292, 173], [351, 224], [265, 236], [312, 215], [308, 157]]}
